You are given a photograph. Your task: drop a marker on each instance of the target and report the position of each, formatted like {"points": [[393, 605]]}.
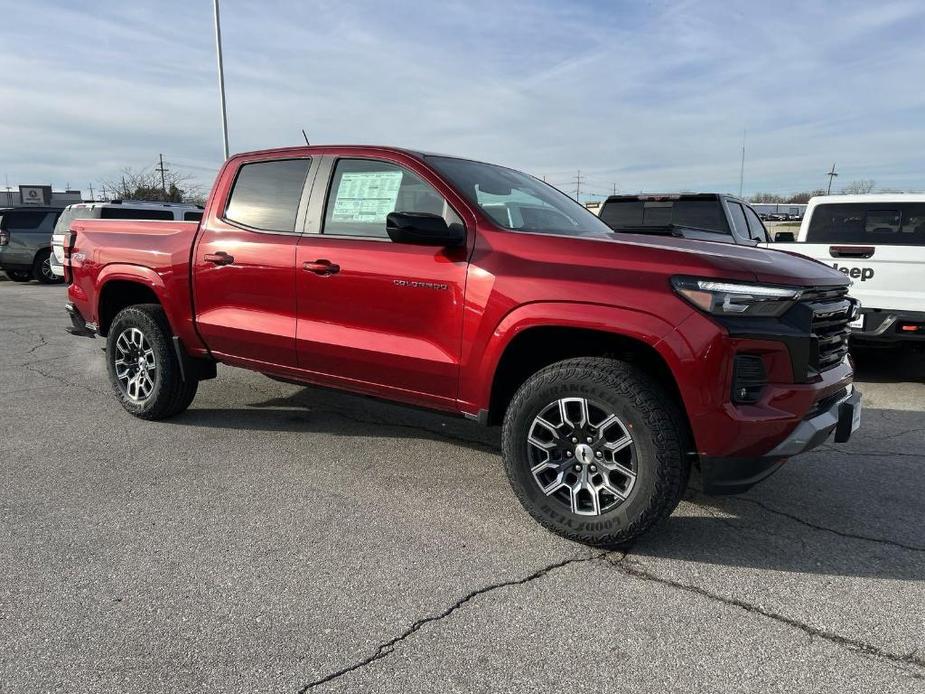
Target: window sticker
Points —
{"points": [[366, 196]]}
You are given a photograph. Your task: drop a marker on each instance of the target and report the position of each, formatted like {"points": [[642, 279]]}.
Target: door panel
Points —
{"points": [[246, 308], [391, 316], [244, 262], [375, 315]]}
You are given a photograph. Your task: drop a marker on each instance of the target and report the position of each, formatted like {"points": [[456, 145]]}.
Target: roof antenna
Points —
{"points": [[305, 136]]}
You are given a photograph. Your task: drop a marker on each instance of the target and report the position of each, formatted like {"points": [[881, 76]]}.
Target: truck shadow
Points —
{"points": [[809, 518], [890, 365]]}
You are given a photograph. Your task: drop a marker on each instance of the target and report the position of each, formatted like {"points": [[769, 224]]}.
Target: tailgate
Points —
{"points": [[884, 276]]}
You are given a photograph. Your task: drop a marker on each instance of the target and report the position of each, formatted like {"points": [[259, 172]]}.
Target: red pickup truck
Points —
{"points": [[614, 362]]}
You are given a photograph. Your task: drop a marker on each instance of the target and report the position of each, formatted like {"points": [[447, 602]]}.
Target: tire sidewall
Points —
{"points": [[156, 337], [42, 259], [609, 527]]}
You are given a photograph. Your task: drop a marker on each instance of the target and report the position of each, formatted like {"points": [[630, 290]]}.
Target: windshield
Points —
{"points": [[70, 214], [516, 201]]}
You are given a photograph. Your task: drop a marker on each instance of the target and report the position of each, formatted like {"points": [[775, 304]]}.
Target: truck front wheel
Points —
{"points": [[143, 368], [594, 449]]}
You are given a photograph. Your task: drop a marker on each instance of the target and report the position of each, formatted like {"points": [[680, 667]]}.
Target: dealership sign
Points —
{"points": [[35, 195]]}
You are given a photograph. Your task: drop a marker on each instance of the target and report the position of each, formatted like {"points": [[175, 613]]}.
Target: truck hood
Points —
{"points": [[764, 264]]}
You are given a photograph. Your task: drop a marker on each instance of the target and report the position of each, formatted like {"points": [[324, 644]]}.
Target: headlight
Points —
{"points": [[734, 298]]}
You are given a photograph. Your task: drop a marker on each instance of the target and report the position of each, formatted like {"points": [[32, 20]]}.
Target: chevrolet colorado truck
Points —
{"points": [[878, 241], [614, 362]]}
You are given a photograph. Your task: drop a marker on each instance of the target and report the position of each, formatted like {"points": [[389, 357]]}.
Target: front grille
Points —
{"points": [[831, 311]]}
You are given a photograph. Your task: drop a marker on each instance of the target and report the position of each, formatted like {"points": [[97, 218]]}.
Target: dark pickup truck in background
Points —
{"points": [[701, 216], [615, 361]]}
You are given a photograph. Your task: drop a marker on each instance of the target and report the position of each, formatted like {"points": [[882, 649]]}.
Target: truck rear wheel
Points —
{"points": [[594, 450], [143, 368]]}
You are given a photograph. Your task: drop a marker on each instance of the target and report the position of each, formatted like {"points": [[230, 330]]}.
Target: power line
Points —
{"points": [[163, 171], [831, 174], [578, 180]]}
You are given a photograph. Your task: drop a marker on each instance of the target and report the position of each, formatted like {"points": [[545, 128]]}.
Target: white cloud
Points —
{"points": [[647, 96]]}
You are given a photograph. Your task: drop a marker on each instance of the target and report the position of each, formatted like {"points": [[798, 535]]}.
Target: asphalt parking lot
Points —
{"points": [[276, 538]]}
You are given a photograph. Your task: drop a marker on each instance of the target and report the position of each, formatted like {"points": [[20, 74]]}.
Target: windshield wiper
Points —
{"points": [[670, 229]]}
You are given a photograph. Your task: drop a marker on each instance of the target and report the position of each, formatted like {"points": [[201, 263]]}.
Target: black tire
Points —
{"points": [[647, 415], [170, 394], [41, 269], [19, 275]]}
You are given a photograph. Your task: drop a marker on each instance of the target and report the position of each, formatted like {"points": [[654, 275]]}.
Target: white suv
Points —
{"points": [[115, 209], [879, 242]]}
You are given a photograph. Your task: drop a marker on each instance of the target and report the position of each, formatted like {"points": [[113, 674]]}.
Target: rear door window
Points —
{"points": [[192, 216], [28, 220], [868, 223], [266, 194], [739, 224], [756, 229]]}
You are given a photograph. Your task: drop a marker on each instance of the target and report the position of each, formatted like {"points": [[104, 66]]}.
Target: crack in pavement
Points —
{"points": [[385, 649], [868, 454], [61, 380], [637, 570], [823, 528]]}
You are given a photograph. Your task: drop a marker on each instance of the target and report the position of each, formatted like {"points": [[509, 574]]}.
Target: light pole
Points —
{"points": [[221, 76], [831, 174]]}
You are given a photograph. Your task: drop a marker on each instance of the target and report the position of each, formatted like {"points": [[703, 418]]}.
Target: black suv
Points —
{"points": [[701, 216]]}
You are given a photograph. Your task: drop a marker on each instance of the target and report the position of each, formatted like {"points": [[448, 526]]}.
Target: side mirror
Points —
{"points": [[423, 229], [784, 237]]}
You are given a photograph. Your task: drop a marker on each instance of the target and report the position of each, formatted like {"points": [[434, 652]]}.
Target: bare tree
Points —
{"points": [[149, 184], [803, 197], [767, 197], [860, 187]]}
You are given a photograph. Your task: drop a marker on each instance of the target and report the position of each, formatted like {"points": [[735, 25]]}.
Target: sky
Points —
{"points": [[645, 96]]}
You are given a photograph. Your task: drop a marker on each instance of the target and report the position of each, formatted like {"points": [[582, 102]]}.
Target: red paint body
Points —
{"points": [[364, 330]]}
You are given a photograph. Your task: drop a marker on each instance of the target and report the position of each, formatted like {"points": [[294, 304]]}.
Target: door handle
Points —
{"points": [[219, 258], [851, 251], [321, 267]]}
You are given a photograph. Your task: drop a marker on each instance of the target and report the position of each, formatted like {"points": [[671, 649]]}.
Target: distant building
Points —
{"points": [[43, 196], [790, 209]]}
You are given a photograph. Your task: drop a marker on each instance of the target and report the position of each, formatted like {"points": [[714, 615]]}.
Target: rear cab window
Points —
{"points": [[706, 215], [880, 223]]}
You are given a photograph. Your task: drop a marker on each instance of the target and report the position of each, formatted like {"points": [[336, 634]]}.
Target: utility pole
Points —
{"points": [[221, 76], [579, 179], [163, 171], [831, 174], [92, 197], [742, 167], [614, 189]]}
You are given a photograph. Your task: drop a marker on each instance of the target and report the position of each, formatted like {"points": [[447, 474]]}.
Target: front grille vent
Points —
{"points": [[831, 311]]}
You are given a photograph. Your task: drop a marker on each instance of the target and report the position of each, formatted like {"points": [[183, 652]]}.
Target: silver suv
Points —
{"points": [[25, 233]]}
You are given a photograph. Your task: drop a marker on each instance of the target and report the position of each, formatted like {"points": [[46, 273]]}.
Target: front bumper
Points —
{"points": [[890, 326], [723, 475]]}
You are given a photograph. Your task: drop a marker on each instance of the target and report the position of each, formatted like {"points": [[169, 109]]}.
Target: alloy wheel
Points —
{"points": [[135, 364], [582, 455]]}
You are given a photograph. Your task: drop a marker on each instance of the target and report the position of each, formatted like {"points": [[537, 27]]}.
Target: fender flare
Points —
{"points": [[139, 274], [641, 326]]}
